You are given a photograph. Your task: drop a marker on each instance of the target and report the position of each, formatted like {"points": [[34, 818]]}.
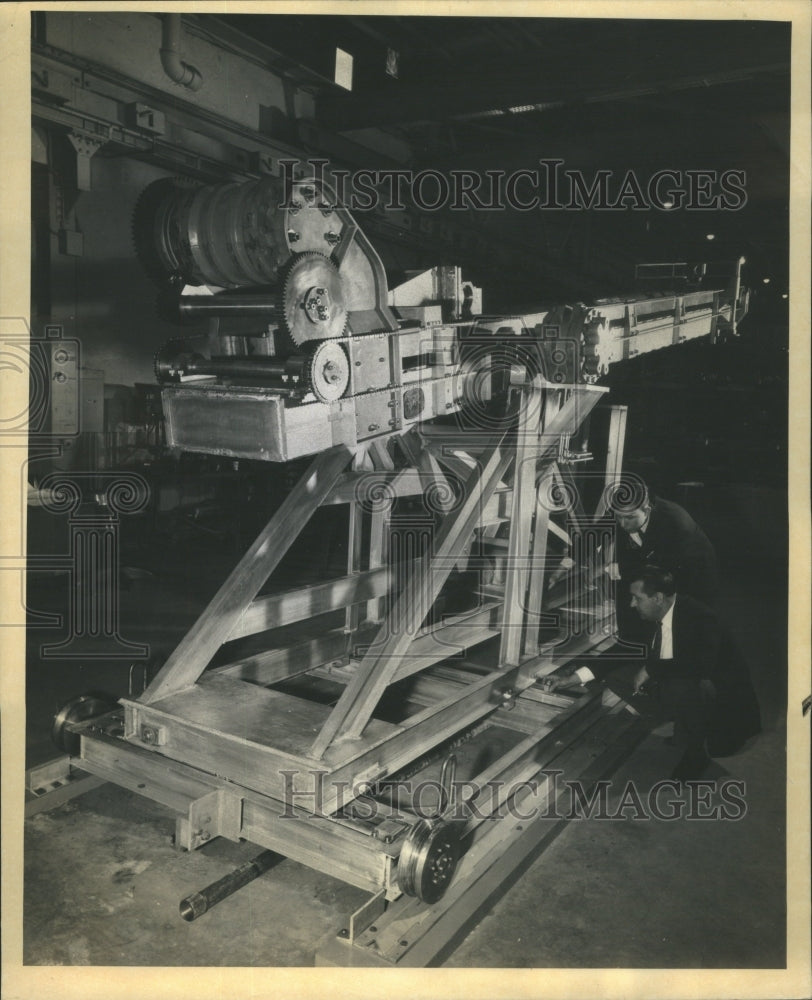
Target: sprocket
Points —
{"points": [[312, 299], [327, 372]]}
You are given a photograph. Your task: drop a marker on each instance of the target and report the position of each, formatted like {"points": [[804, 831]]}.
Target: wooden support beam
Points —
{"points": [[541, 527], [354, 545], [614, 456], [576, 514], [522, 508], [213, 627], [433, 479], [378, 555], [273, 665], [354, 708], [277, 610], [381, 458], [351, 487], [457, 462], [431, 475]]}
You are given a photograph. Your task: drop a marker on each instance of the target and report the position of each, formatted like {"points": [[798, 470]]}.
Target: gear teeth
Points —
{"points": [[309, 383], [286, 274]]}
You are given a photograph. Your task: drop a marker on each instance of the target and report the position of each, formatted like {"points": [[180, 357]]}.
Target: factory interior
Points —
{"points": [[208, 400]]}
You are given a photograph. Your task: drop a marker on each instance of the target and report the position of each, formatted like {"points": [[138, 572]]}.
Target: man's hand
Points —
{"points": [[640, 679], [562, 681]]}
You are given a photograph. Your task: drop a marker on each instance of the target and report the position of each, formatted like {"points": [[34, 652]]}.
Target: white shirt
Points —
{"points": [[585, 675], [667, 644]]}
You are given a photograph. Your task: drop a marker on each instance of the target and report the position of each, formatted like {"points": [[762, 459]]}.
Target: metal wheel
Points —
{"points": [[312, 303], [428, 860], [82, 709], [328, 371]]}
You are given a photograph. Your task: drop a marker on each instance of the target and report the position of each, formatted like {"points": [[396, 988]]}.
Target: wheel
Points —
{"points": [[327, 372], [428, 860], [82, 709], [312, 301]]}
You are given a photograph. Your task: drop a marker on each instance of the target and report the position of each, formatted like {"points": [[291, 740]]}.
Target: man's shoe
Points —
{"points": [[692, 765]]}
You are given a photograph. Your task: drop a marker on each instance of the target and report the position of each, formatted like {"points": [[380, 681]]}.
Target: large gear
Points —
{"points": [[312, 299], [327, 373]]}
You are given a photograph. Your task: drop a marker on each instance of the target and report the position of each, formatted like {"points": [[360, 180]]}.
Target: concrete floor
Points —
{"points": [[103, 880]]}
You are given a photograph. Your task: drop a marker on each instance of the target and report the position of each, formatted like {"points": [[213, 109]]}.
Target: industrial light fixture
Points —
{"points": [[710, 236], [392, 63], [766, 281], [343, 71], [784, 295]]}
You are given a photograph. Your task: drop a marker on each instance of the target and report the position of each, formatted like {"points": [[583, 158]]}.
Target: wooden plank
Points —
{"points": [[363, 864], [453, 461], [380, 456], [362, 694], [277, 610], [351, 487], [254, 714], [378, 555], [435, 481], [538, 554], [538, 572], [352, 613], [213, 627], [614, 456], [440, 643], [522, 508], [272, 665], [324, 845]]}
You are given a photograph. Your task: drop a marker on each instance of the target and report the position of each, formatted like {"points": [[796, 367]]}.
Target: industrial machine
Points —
{"points": [[402, 743]]}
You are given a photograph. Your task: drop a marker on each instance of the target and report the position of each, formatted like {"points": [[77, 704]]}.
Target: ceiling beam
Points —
{"points": [[543, 84]]}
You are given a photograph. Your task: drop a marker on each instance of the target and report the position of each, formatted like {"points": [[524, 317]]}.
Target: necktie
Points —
{"points": [[657, 641]]}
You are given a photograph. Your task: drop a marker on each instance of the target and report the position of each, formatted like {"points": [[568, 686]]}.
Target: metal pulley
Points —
{"points": [[327, 374], [78, 710], [428, 859]]}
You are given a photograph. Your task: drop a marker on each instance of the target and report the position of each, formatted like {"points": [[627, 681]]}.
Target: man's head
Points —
{"points": [[652, 591], [634, 518]]}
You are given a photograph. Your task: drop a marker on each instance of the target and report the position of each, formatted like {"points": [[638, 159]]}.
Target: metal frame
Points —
{"points": [[219, 746]]}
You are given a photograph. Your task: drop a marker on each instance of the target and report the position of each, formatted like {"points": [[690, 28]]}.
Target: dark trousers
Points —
{"points": [[690, 703]]}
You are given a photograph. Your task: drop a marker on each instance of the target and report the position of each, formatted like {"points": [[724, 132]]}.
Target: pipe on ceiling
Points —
{"points": [[175, 68]]}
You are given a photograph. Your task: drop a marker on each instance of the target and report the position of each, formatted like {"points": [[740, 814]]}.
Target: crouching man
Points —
{"points": [[692, 671]]}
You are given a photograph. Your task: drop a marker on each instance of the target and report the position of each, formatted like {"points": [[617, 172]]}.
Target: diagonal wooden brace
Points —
{"points": [[379, 666], [215, 625]]}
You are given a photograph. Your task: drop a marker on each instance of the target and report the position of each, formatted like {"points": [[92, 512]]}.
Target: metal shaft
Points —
{"points": [[198, 903], [199, 306], [242, 367]]}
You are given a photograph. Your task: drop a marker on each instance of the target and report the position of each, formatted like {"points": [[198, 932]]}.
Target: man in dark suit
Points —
{"points": [[657, 532], [693, 672]]}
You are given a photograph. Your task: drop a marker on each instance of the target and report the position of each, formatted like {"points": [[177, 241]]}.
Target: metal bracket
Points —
{"points": [[85, 147], [365, 916], [54, 783], [217, 814]]}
